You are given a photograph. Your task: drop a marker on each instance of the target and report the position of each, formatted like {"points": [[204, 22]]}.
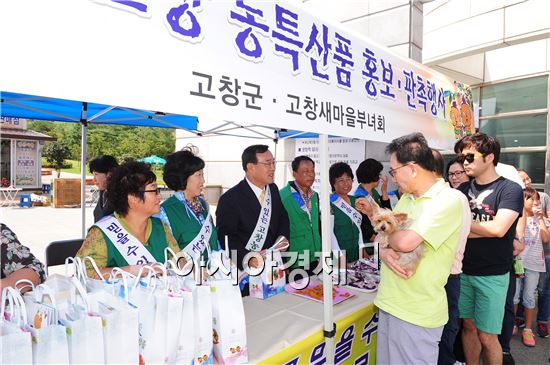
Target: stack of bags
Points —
{"points": [[157, 316]]}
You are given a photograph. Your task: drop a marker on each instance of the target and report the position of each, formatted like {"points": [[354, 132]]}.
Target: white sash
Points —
{"points": [[129, 246], [199, 243], [352, 214], [257, 240]]}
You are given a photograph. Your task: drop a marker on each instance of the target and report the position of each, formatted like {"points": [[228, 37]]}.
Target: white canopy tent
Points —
{"points": [[254, 63]]}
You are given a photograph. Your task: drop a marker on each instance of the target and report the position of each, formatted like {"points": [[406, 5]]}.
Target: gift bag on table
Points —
{"points": [[15, 339], [84, 329], [229, 334], [269, 281], [185, 352], [49, 338], [151, 317], [174, 299], [202, 308], [120, 325], [159, 333]]}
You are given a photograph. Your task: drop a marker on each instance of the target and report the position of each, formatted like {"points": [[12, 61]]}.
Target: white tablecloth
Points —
{"points": [[275, 323]]}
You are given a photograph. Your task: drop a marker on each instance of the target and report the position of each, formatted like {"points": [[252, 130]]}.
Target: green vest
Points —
{"points": [[304, 235], [155, 244], [185, 227], [346, 232]]}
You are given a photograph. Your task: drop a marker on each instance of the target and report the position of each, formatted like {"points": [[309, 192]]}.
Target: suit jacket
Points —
{"points": [[237, 213]]}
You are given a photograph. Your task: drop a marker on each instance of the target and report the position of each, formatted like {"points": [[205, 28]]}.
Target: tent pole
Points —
{"points": [[84, 124], [329, 326]]}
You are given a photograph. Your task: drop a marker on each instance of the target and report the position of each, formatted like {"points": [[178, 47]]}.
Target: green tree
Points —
{"points": [[56, 153], [122, 142]]}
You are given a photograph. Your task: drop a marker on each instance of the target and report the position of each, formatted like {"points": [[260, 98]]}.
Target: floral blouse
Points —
{"points": [[15, 256]]}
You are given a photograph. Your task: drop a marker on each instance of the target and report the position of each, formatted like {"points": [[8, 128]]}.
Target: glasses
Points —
{"points": [[456, 174], [268, 163], [156, 191], [392, 171], [469, 157]]}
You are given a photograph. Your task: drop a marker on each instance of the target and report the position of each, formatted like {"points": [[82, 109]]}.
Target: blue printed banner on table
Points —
{"points": [[271, 63]]}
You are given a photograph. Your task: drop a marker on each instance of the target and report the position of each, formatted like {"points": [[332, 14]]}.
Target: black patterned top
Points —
{"points": [[15, 256]]}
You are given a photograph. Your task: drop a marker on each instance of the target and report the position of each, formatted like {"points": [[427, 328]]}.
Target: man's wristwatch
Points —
{"points": [[520, 239]]}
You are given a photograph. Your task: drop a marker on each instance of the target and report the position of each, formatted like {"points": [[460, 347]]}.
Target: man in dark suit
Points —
{"points": [[239, 210]]}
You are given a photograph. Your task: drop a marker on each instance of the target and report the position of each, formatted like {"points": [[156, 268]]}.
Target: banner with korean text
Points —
{"points": [[355, 343], [270, 63]]}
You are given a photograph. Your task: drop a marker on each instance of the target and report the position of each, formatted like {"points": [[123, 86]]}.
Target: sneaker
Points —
{"points": [[515, 330], [507, 359], [520, 322], [542, 329], [528, 338]]}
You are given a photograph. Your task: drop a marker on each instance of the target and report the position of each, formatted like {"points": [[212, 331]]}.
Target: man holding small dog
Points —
{"points": [[413, 307], [496, 204]]}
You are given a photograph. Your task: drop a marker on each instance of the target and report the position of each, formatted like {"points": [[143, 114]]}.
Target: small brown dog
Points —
{"points": [[385, 222]]}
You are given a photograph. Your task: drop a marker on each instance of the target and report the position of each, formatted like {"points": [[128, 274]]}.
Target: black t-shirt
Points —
{"points": [[491, 256]]}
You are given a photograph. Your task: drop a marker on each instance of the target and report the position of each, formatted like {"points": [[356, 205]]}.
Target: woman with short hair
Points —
{"points": [[347, 220], [186, 212], [101, 167], [130, 237], [455, 173]]}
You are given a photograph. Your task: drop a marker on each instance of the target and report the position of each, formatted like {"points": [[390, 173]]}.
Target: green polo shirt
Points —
{"points": [[421, 299]]}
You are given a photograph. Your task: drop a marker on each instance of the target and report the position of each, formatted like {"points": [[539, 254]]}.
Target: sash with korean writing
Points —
{"points": [[127, 245], [201, 240], [348, 210], [259, 234]]}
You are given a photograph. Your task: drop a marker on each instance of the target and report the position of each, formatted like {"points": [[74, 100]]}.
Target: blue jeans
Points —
{"points": [[446, 345], [544, 295]]}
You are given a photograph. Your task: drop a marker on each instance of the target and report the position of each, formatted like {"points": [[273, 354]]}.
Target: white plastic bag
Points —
{"points": [[120, 328], [84, 330], [49, 339], [229, 323], [16, 343]]}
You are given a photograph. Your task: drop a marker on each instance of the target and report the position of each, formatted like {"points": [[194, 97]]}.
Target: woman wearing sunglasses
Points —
{"points": [[187, 212], [456, 174], [130, 237]]}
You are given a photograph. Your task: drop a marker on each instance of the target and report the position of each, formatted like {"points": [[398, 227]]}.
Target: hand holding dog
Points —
{"points": [[390, 257]]}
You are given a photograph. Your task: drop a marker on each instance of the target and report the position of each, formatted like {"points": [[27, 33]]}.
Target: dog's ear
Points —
{"points": [[400, 217]]}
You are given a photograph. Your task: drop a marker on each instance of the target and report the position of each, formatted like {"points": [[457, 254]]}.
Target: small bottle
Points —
{"points": [[518, 267]]}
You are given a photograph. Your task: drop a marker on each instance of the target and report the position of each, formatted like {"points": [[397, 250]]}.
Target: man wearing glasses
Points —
{"points": [[251, 214], [496, 204], [413, 307]]}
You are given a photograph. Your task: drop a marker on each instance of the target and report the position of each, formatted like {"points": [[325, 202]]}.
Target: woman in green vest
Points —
{"points": [[347, 220], [368, 177], [130, 237], [186, 212]]}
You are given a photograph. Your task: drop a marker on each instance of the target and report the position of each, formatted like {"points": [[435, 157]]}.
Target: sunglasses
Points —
{"points": [[470, 157]]}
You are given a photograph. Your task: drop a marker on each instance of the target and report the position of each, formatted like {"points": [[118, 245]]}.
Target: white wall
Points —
{"points": [[222, 155], [486, 41]]}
